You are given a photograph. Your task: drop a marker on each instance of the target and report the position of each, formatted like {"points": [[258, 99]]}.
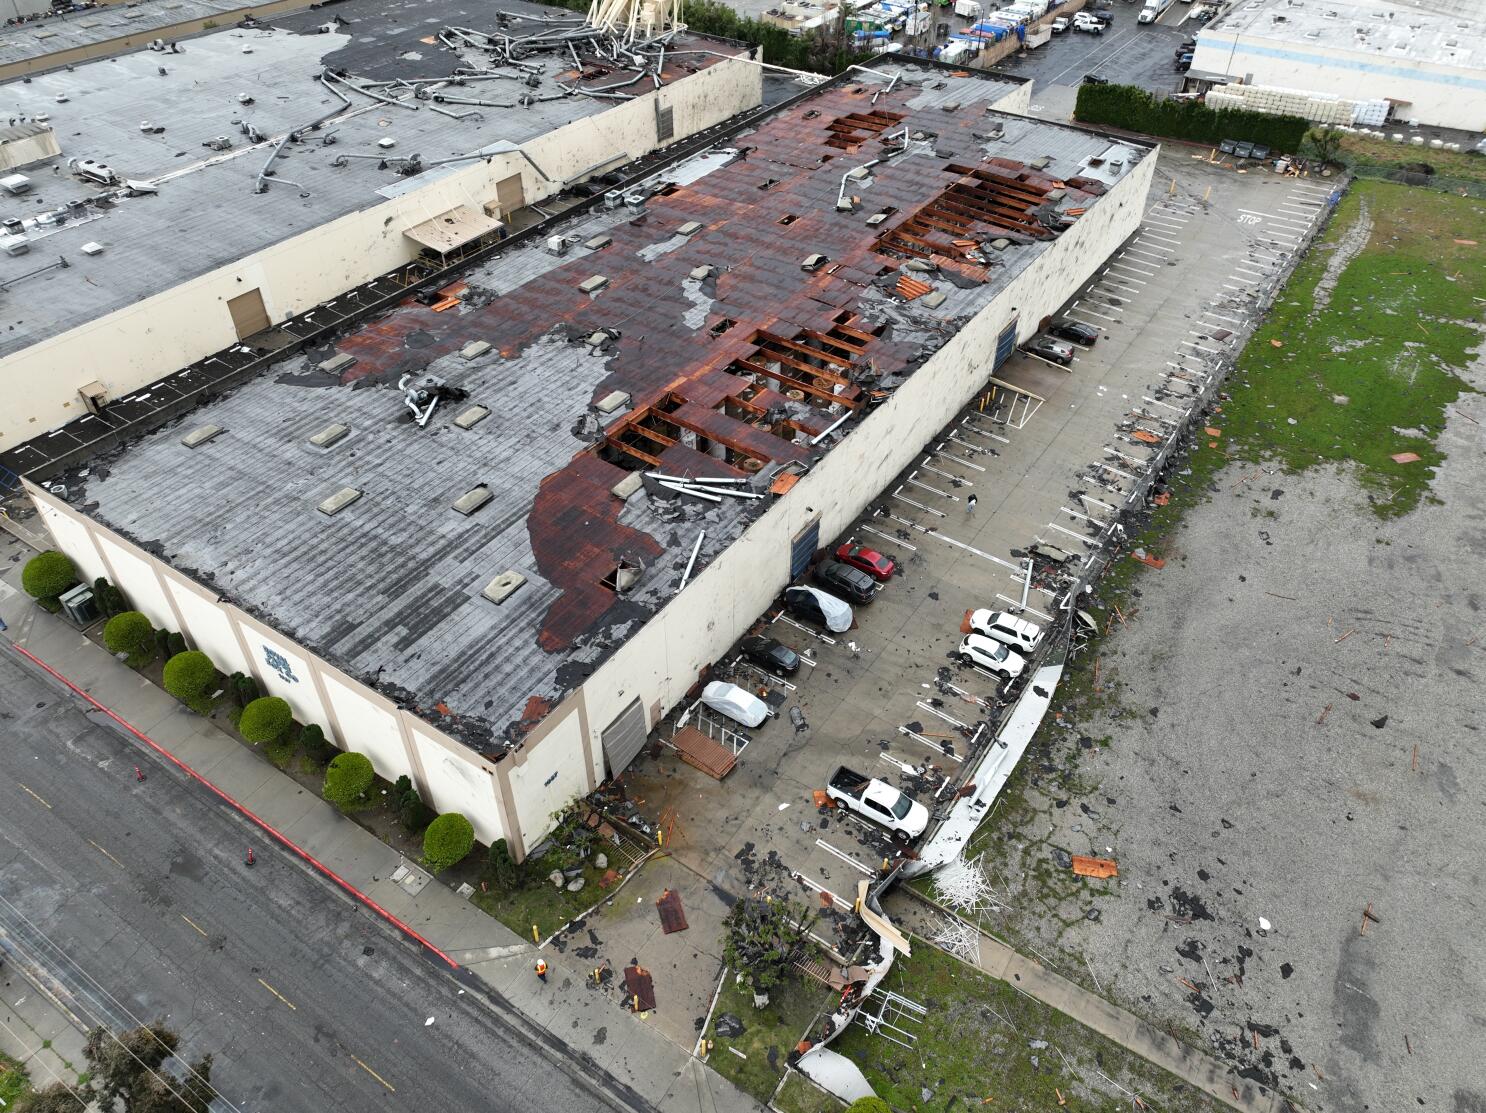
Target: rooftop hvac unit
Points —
{"points": [[15, 183], [15, 245], [556, 245], [613, 198], [218, 142]]}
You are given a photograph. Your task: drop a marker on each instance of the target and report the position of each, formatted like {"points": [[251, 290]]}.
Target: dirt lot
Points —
{"points": [[1281, 731]]}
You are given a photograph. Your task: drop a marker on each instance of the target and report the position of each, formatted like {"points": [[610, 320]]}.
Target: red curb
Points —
{"points": [[267, 827]]}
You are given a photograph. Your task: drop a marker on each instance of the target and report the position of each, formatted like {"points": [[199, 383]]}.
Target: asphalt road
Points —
{"points": [[1128, 53], [135, 897]]}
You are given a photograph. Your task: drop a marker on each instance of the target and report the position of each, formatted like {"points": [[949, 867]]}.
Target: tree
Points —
{"points": [[266, 719], [347, 779], [1326, 141], [130, 633], [126, 1073], [764, 938], [447, 841], [47, 575], [189, 676]]}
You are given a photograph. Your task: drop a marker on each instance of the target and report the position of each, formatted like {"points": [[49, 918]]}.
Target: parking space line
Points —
{"points": [[939, 451], [845, 857], [1220, 317], [1103, 289], [1168, 214], [918, 505], [1069, 532], [1147, 234], [933, 490], [1199, 347], [1131, 267], [929, 742], [1231, 286], [1137, 281], [1017, 603], [889, 537], [1257, 270], [1271, 216], [1101, 316], [947, 475], [1085, 517], [782, 617], [840, 902], [958, 544], [925, 705], [1154, 254]]}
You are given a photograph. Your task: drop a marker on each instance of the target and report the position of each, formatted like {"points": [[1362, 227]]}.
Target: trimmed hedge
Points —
{"points": [[869, 1105], [347, 779], [265, 719], [47, 575], [447, 841], [1134, 109], [130, 632], [189, 676]]}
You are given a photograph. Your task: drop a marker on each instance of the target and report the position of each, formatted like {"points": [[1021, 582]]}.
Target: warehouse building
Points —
{"points": [[442, 537], [1363, 62], [178, 211]]}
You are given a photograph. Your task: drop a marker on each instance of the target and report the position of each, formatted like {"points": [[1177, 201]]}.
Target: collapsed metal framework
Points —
{"points": [[635, 18]]}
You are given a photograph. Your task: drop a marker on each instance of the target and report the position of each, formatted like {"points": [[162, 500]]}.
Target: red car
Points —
{"points": [[868, 560]]}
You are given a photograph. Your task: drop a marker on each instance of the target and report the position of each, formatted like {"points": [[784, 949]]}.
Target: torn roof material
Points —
{"points": [[724, 355]]}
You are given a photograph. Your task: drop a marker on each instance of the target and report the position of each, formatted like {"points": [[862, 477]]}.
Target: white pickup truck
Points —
{"points": [[878, 801]]}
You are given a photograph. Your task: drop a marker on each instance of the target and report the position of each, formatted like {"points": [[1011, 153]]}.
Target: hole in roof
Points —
{"points": [[788, 218], [722, 326], [622, 577], [769, 182]]}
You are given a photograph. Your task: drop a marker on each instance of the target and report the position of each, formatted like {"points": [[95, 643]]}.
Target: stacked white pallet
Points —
{"points": [[1318, 107]]}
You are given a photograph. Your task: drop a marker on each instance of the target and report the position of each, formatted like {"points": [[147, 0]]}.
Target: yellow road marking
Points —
{"points": [[106, 854], [194, 924], [375, 1075], [277, 994], [33, 796]]}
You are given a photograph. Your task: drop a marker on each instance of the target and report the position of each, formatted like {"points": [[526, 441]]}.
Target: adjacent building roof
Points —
{"points": [[91, 26], [733, 326], [1440, 32], [151, 117]]}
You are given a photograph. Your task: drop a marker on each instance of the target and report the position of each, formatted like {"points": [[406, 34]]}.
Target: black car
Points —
{"points": [[771, 654], [849, 583], [1095, 79], [1187, 47], [1076, 331], [1183, 63]]}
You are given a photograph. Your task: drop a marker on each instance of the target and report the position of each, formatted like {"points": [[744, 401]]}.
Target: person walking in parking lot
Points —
{"points": [[970, 505], [542, 970]]}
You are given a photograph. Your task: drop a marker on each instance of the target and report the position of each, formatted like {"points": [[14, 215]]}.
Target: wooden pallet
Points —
{"points": [[698, 750]]}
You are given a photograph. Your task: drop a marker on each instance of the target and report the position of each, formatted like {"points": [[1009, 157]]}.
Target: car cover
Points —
{"points": [[837, 613], [735, 703]]}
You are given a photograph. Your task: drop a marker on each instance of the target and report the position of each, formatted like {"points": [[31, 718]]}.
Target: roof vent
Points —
{"points": [[814, 262], [702, 273], [200, 435], [593, 285], [339, 501], [611, 402], [628, 485], [602, 240], [1041, 163], [501, 588], [623, 576], [471, 417], [330, 435], [475, 349], [473, 499], [690, 228]]}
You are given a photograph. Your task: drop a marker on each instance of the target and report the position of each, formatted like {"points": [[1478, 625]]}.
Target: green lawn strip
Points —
{"points": [[800, 1095], [14, 1083], [769, 1034], [537, 901], [1383, 355], [1359, 150], [967, 1053]]}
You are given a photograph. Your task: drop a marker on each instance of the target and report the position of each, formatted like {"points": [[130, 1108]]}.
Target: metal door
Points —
{"points": [[802, 548], [1005, 344], [624, 738]]}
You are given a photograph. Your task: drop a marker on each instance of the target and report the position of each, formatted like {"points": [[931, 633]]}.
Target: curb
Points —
{"points": [[39, 985], [267, 828]]}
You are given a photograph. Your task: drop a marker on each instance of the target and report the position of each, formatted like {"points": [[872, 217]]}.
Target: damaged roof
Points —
{"points": [[728, 323], [198, 127]]}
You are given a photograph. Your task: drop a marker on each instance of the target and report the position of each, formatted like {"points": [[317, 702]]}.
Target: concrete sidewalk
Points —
{"points": [[592, 1025], [36, 1031], [913, 913]]}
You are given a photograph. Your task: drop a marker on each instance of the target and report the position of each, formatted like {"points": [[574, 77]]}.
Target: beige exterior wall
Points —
{"points": [[516, 797], [133, 347]]}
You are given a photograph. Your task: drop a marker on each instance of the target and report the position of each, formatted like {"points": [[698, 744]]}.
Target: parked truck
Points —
{"points": [[970, 9], [878, 801]]}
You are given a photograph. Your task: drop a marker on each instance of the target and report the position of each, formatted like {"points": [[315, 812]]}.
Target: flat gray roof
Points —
{"points": [[389, 589], [1443, 32], [98, 25], [206, 213]]}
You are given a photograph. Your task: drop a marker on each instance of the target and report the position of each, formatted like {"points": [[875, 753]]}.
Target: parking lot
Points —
{"points": [[1047, 455]]}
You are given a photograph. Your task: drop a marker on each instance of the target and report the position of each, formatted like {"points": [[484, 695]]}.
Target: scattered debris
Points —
{"points": [[1405, 457], [1085, 866], [672, 915]]}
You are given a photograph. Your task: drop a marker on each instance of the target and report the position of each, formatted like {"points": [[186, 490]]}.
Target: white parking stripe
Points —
{"points": [[1163, 238], [1136, 267], [1017, 603], [1091, 313], [1200, 348], [1069, 532], [1127, 278]]}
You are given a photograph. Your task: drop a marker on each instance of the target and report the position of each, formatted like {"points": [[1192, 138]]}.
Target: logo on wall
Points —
{"points": [[280, 664]]}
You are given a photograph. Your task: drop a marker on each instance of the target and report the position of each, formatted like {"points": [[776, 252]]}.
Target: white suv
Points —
{"points": [[1021, 635], [991, 655]]}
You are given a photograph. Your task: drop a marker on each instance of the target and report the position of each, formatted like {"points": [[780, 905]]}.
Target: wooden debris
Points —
{"points": [[1324, 712], [1406, 1045], [1414, 764], [1154, 562], [1290, 598], [1061, 1099], [1345, 636], [1405, 457], [1085, 866], [1368, 916], [1211, 432], [1275, 344]]}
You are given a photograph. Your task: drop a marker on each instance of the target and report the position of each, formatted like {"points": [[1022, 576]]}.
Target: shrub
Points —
{"points": [[347, 779], [110, 599], [244, 689], [177, 643], [130, 633], [162, 643], [189, 677], [501, 871], [265, 720], [869, 1105], [1135, 109], [412, 812], [47, 575], [446, 842], [312, 741], [765, 937]]}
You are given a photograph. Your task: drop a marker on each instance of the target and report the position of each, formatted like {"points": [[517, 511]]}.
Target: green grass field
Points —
{"points": [[1370, 373], [756, 1060]]}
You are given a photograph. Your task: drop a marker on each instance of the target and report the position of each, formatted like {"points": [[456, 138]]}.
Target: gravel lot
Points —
{"points": [[1253, 755]]}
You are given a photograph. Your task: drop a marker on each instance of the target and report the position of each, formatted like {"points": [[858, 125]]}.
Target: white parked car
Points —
{"points": [[991, 655], [879, 802], [1021, 635], [1060, 25], [739, 705]]}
